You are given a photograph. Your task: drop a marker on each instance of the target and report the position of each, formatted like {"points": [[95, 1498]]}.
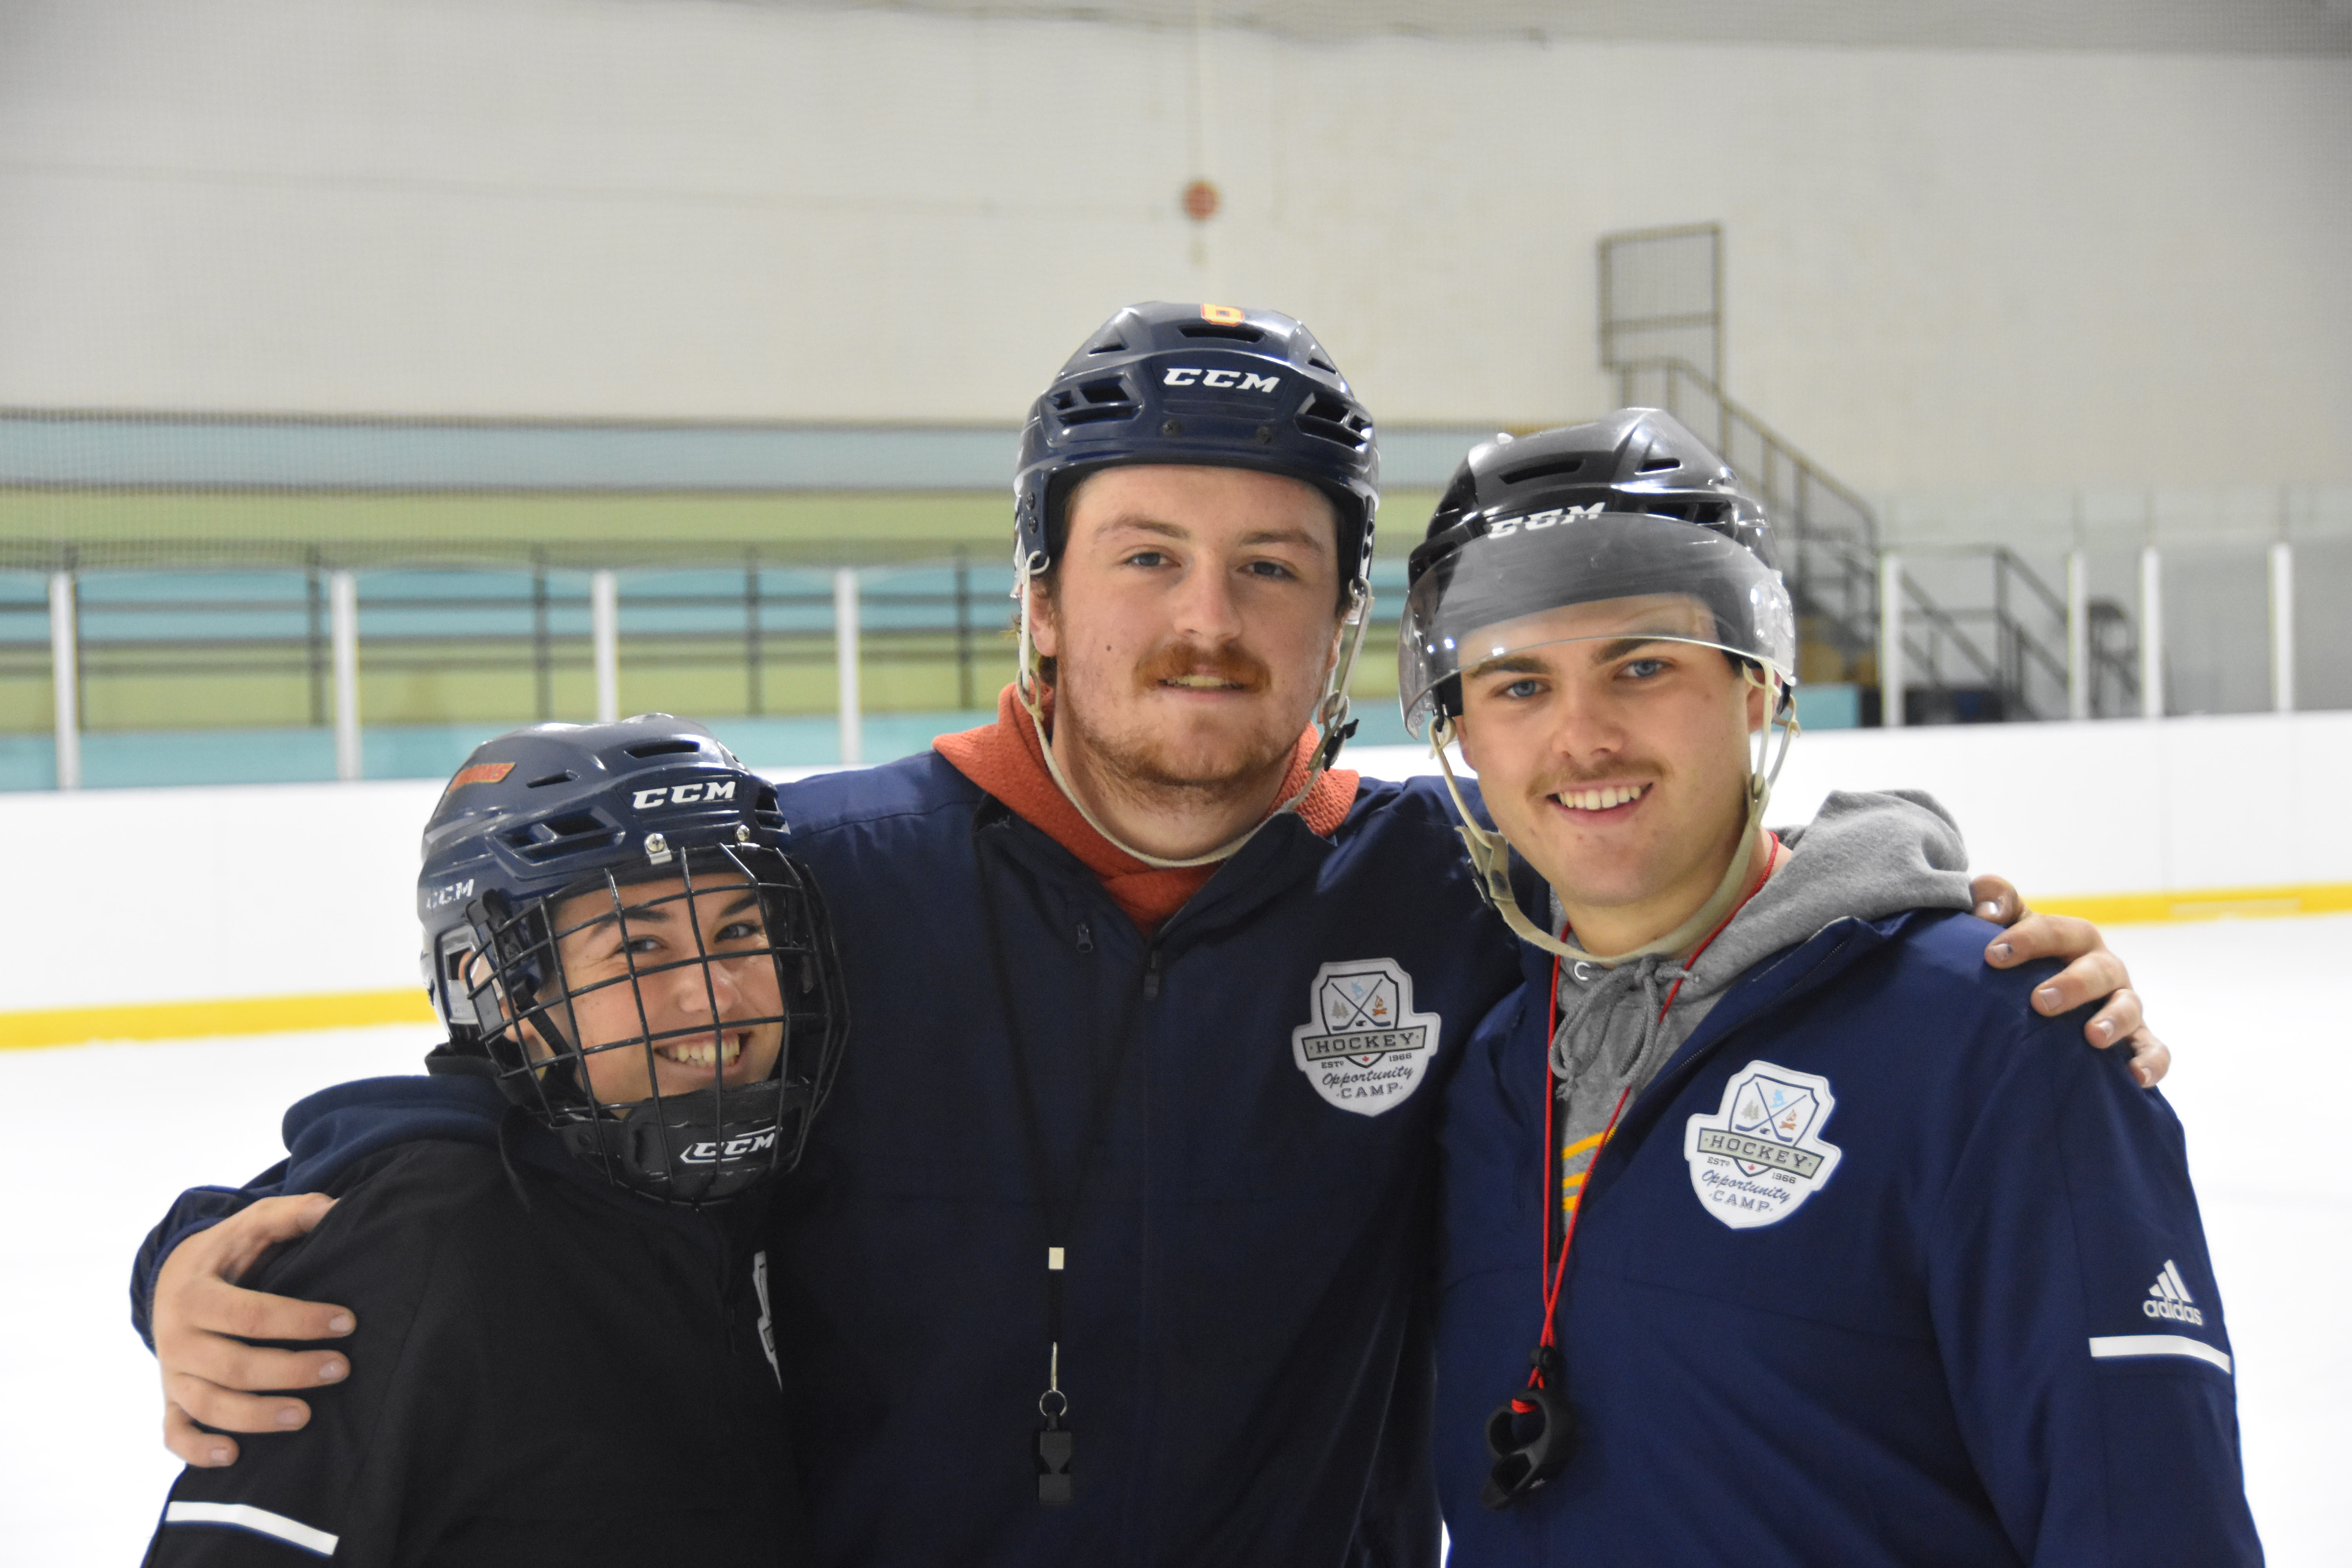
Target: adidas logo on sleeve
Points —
{"points": [[2168, 1297]]}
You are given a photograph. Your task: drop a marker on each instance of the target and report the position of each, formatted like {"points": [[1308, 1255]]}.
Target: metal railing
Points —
{"points": [[1992, 683], [2005, 652], [138, 643], [1829, 535]]}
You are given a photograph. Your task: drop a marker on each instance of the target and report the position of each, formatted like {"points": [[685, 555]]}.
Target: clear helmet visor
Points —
{"points": [[1563, 577]]}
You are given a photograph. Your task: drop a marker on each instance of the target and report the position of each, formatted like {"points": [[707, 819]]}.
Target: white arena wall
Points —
{"points": [[134, 899], [2001, 269]]}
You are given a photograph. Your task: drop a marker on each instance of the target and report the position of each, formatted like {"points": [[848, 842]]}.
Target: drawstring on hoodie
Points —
{"points": [[1569, 1064], [1531, 1434]]}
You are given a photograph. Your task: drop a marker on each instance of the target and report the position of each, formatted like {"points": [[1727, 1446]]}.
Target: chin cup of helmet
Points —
{"points": [[701, 1147]]}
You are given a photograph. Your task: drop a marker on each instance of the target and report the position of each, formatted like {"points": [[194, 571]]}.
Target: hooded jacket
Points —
{"points": [[1878, 1266], [1237, 1114], [1865, 856]]}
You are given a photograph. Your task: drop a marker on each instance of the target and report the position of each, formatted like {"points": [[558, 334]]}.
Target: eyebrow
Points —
{"points": [[656, 913], [1528, 664], [1303, 537]]}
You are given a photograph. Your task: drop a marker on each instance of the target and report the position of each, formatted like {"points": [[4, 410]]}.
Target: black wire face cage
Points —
{"points": [[630, 1003]]}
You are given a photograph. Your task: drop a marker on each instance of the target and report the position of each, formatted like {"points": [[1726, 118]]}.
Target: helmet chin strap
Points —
{"points": [[1490, 855], [1330, 718]]}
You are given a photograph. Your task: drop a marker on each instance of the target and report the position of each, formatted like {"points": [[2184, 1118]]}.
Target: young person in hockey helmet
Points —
{"points": [[641, 996], [1106, 954], [1844, 1252], [611, 920]]}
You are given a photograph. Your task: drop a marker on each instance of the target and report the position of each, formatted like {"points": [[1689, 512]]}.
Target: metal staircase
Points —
{"points": [[1984, 637]]}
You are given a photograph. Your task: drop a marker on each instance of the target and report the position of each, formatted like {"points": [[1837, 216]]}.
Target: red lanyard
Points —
{"points": [[1555, 1273]]}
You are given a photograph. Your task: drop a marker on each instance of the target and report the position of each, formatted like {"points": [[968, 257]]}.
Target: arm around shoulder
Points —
{"points": [[307, 1487]]}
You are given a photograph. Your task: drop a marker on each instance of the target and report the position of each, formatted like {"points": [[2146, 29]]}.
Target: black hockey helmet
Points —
{"points": [[1631, 505], [613, 903], [1214, 385]]}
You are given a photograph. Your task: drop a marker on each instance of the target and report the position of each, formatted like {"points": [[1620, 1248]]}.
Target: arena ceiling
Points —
{"points": [[2221, 26]]}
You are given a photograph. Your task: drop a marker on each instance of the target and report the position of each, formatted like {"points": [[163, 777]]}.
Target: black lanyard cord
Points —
{"points": [[1059, 1200]]}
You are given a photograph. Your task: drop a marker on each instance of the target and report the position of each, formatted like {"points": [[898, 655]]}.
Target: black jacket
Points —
{"points": [[547, 1369], [1237, 1112]]}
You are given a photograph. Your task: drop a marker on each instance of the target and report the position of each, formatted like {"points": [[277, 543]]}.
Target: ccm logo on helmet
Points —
{"points": [[1239, 380], [683, 795], [732, 1149], [1535, 520], [448, 893]]}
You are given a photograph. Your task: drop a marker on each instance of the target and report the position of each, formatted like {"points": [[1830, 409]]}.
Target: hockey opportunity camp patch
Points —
{"points": [[1756, 1160], [1362, 1047]]}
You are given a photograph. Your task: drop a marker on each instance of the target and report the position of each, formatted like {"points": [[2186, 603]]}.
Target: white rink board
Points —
{"points": [[2116, 806], [2255, 1010], [239, 877]]}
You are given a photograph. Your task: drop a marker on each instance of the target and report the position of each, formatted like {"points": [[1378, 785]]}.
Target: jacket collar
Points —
{"points": [[1771, 984], [1007, 760]]}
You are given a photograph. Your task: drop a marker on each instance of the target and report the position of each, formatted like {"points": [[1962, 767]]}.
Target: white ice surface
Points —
{"points": [[105, 1134]]}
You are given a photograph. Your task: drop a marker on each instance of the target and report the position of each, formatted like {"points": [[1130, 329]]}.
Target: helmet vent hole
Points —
{"points": [[1093, 401], [1238, 332], [1108, 343], [1558, 467], [1333, 420], [1319, 362], [1657, 462], [561, 836], [564, 777], [661, 748]]}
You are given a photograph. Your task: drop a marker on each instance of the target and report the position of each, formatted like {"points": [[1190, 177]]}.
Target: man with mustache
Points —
{"points": [[1114, 1241], [1777, 1230]]}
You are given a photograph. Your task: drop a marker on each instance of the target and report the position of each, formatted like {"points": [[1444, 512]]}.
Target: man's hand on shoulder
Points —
{"points": [[2092, 972], [202, 1320]]}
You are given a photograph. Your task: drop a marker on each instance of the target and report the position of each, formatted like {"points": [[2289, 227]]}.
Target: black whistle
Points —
{"points": [[1054, 1446], [1529, 1435]]}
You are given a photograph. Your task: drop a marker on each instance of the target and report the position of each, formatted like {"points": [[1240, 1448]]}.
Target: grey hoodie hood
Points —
{"points": [[1864, 856]]}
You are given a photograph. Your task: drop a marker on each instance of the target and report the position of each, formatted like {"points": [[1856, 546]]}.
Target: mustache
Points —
{"points": [[1235, 666]]}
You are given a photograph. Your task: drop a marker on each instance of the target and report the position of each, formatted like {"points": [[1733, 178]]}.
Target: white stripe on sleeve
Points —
{"points": [[2116, 1345], [246, 1517]]}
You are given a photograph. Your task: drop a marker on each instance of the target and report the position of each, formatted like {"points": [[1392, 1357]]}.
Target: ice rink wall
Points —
{"points": [[164, 913], [1994, 258]]}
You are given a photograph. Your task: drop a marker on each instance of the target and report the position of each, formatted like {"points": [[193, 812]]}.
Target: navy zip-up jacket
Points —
{"points": [[1246, 1344], [1881, 1267]]}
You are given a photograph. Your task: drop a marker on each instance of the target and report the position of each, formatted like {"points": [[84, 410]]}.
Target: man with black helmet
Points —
{"points": [[1114, 1242], [643, 1005], [1844, 1255]]}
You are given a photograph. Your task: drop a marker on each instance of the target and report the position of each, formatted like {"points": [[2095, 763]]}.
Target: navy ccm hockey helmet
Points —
{"points": [[1214, 385], [1631, 505], [611, 918]]}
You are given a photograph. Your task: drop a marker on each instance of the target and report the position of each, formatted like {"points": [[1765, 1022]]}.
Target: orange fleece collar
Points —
{"points": [[1007, 759]]}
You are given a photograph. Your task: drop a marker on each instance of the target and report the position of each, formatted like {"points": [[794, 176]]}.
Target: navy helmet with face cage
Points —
{"points": [[550, 835]]}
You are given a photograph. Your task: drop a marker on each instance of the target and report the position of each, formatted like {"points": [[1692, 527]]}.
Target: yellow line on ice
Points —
{"points": [[2203, 903], [356, 1009], [240, 1015]]}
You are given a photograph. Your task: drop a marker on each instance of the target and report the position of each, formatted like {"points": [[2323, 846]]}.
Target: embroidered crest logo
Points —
{"points": [[1362, 1047], [1757, 1160]]}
